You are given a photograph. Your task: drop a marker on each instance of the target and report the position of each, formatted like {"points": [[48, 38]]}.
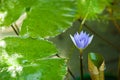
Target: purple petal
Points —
{"points": [[81, 33], [76, 38], [90, 39], [73, 39], [81, 44], [85, 40], [81, 40]]}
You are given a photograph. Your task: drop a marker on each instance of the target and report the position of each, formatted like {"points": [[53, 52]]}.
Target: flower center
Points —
{"points": [[83, 41]]}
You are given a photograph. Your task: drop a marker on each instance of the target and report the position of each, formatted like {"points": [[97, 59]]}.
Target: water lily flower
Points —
{"points": [[81, 40]]}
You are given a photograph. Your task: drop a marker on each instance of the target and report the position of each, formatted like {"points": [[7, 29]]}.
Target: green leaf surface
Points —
{"points": [[46, 69], [97, 59], [48, 18], [91, 7], [49, 69], [30, 48], [12, 10], [29, 59]]}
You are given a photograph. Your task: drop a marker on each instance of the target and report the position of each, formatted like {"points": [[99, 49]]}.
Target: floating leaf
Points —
{"points": [[12, 10], [48, 18], [29, 47], [91, 7], [44, 18], [48, 69], [29, 59]]}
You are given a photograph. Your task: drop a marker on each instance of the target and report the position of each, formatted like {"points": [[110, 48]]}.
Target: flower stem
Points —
{"points": [[83, 21], [81, 65]]}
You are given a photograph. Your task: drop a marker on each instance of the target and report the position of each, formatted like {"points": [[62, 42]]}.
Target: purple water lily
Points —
{"points": [[81, 40]]}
